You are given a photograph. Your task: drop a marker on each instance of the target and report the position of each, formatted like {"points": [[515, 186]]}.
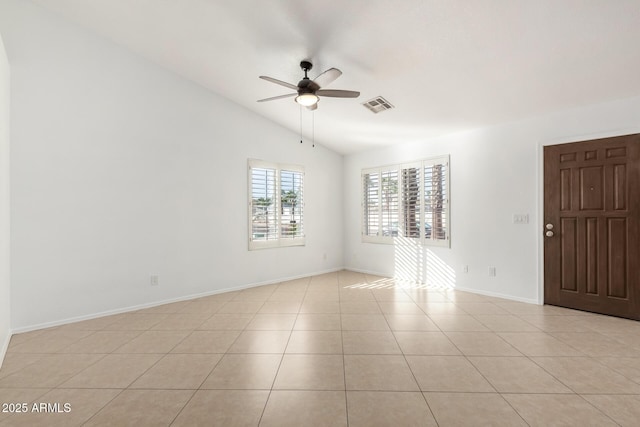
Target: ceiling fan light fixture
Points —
{"points": [[307, 99]]}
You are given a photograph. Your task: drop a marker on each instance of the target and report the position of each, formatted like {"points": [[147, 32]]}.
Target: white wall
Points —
{"points": [[5, 276], [121, 169], [495, 173]]}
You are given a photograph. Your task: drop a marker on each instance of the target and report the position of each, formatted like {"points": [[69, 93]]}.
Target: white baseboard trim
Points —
{"points": [[458, 288], [370, 272], [220, 291], [162, 302], [499, 295], [5, 347]]}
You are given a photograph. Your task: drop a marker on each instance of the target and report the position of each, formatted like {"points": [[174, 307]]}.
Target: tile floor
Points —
{"points": [[341, 349]]}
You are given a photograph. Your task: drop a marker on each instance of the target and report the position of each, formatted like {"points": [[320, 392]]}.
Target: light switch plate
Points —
{"points": [[521, 218]]}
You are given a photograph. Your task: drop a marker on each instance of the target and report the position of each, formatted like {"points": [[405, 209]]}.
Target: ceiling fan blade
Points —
{"points": [[313, 107], [289, 95], [279, 82], [327, 77], [337, 93]]}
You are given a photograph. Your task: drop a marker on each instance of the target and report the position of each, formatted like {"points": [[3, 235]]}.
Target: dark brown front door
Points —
{"points": [[591, 220]]}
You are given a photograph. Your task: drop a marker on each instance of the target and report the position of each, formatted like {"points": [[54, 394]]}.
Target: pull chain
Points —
{"points": [[313, 129], [300, 124]]}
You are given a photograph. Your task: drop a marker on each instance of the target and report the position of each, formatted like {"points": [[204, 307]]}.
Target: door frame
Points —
{"points": [[540, 184]]}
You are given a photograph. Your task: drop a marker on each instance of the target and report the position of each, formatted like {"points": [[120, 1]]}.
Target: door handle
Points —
{"points": [[549, 227]]}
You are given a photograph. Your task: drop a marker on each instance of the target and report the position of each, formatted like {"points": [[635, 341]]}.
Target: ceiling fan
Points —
{"points": [[308, 91]]}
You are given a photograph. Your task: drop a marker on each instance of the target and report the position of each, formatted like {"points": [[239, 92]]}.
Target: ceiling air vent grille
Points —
{"points": [[378, 104]]}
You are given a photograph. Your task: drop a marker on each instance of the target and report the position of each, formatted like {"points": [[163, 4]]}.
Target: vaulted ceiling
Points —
{"points": [[446, 66]]}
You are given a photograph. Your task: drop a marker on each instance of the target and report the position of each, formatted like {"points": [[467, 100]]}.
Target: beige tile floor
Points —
{"points": [[341, 349]]}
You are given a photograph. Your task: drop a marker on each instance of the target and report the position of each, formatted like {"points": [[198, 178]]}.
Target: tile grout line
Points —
{"points": [[404, 356], [206, 377], [344, 363], [275, 377], [168, 352], [103, 406], [575, 393], [478, 371]]}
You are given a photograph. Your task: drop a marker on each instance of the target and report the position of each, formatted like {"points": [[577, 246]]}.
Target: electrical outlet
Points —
{"points": [[324, 256], [154, 280], [492, 272]]}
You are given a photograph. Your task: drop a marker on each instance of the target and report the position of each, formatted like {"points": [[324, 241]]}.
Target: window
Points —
{"points": [[436, 200], [371, 200], [407, 201], [276, 205], [389, 205]]}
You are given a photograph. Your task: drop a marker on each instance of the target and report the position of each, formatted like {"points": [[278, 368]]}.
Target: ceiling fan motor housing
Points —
{"points": [[306, 85]]}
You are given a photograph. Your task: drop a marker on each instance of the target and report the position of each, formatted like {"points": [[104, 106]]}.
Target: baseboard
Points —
{"points": [[128, 309], [162, 302], [370, 272], [5, 347], [458, 288], [498, 295]]}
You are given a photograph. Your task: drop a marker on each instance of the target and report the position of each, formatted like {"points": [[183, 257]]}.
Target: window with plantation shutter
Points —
{"points": [[291, 197], [276, 205], [389, 202], [264, 220], [411, 202], [380, 204], [436, 199], [371, 203], [407, 201]]}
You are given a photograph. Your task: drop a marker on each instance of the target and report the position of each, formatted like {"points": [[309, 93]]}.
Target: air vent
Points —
{"points": [[378, 104]]}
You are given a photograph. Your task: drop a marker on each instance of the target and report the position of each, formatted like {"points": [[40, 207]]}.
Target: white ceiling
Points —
{"points": [[445, 65]]}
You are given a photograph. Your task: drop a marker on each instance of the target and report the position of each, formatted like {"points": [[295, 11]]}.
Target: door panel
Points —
{"points": [[568, 252], [617, 245], [591, 267], [591, 180], [592, 204]]}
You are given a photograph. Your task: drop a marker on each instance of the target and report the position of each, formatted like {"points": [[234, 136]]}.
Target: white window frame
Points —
{"points": [[279, 241], [379, 237], [390, 238]]}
